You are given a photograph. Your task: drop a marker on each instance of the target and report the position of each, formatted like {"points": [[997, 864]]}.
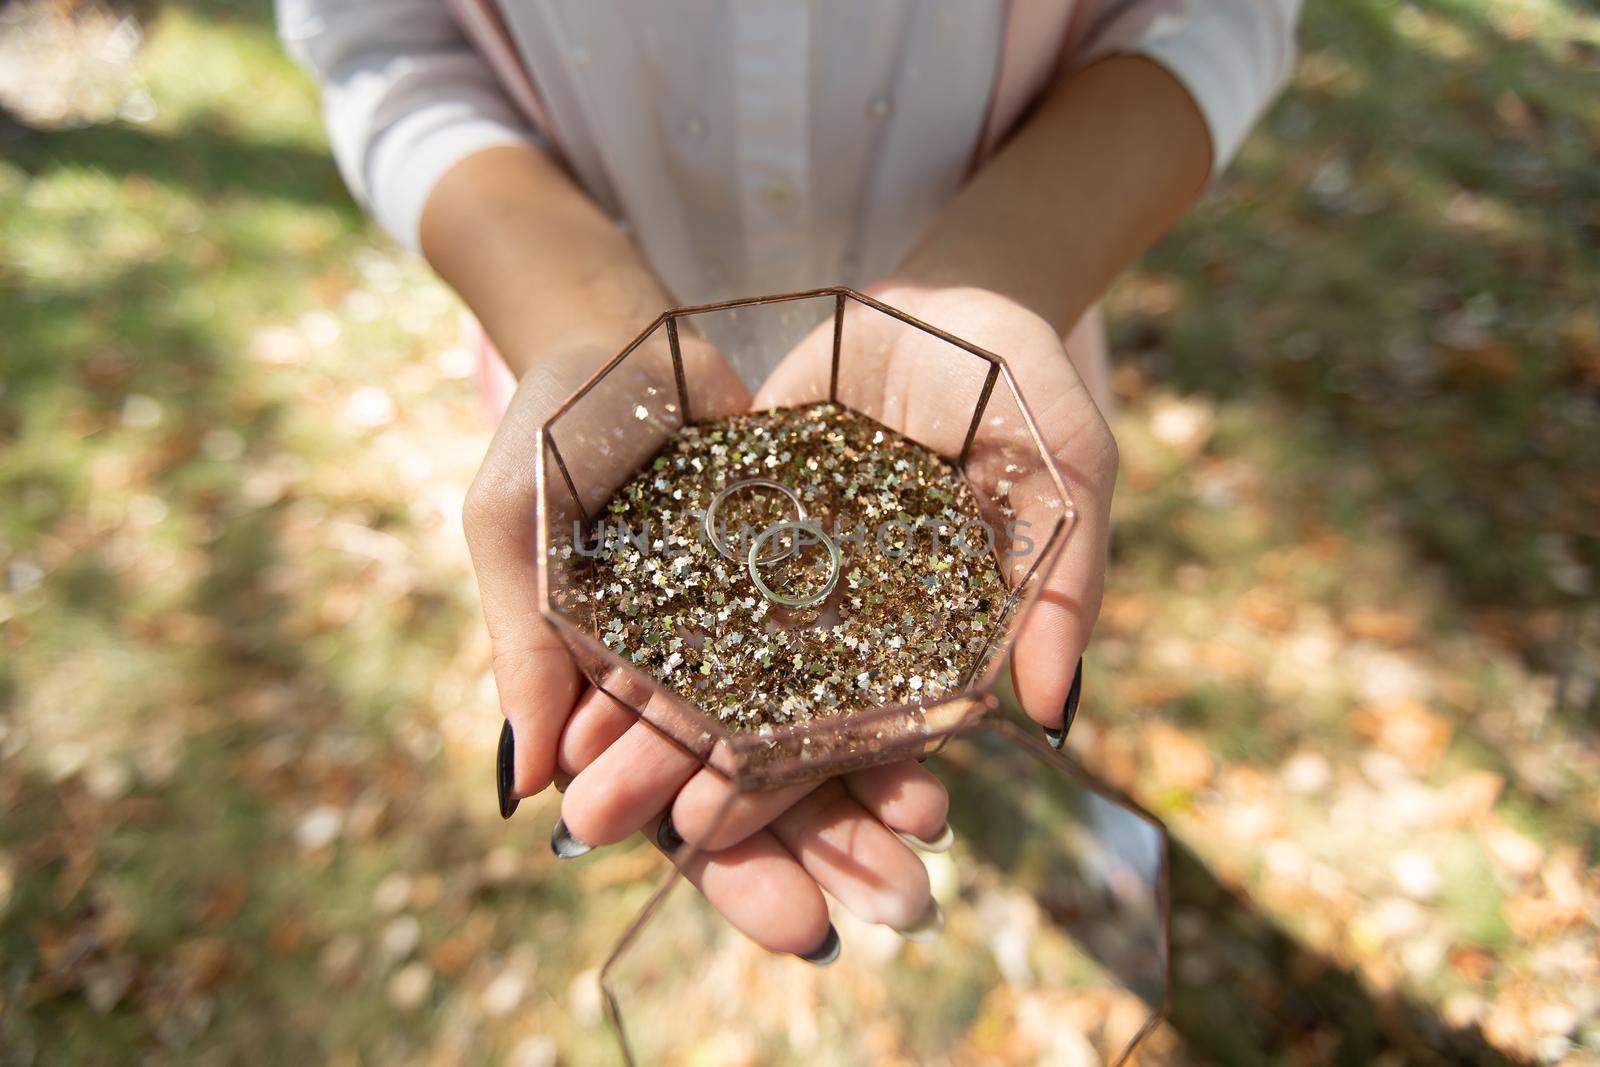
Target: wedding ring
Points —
{"points": [[801, 526], [709, 522]]}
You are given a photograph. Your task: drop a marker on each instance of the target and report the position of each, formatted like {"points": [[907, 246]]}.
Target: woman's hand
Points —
{"points": [[767, 856], [560, 289], [907, 379]]}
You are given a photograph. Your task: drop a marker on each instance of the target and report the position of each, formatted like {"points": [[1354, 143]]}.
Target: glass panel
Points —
{"points": [[912, 381], [607, 434], [950, 400], [1092, 862], [1054, 948], [642, 694], [753, 340], [622, 419], [565, 536], [1025, 506], [826, 746]]}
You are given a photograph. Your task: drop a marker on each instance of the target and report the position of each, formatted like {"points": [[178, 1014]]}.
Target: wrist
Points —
{"points": [[543, 269], [569, 326]]}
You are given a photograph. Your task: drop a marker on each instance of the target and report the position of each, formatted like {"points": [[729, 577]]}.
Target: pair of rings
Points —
{"points": [[754, 560]]}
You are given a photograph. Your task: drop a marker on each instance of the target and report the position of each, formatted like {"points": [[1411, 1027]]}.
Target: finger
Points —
{"points": [[1006, 461], [743, 882], [625, 786], [707, 813], [596, 723], [537, 683], [802, 376], [603, 713], [533, 671], [907, 798], [856, 858], [715, 387], [762, 890]]}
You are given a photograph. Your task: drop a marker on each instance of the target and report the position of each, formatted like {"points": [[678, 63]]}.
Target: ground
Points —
{"points": [[1349, 652]]}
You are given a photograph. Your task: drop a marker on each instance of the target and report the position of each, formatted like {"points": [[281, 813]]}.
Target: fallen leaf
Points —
{"points": [[1177, 758], [1469, 797], [1471, 963], [1267, 609], [1396, 628], [1405, 727], [222, 902], [286, 936], [410, 986], [1510, 850], [1532, 916]]}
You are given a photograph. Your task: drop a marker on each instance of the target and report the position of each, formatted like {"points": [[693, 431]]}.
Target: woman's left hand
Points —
{"points": [[909, 380]]}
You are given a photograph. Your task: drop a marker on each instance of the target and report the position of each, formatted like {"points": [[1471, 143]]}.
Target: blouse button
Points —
{"points": [[780, 195]]}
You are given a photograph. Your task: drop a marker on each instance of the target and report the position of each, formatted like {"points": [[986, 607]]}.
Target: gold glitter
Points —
{"points": [[908, 621]]}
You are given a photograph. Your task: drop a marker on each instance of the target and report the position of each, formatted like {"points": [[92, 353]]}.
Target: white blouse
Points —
{"points": [[752, 145]]}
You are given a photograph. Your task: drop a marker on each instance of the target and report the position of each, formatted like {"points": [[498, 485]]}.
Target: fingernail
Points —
{"points": [[667, 835], [564, 845], [824, 953], [504, 765], [1069, 711], [931, 926], [940, 842]]}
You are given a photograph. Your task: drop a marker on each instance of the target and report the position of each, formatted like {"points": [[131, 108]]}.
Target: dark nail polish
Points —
{"points": [[564, 845], [667, 835], [1069, 711], [826, 952], [504, 766]]}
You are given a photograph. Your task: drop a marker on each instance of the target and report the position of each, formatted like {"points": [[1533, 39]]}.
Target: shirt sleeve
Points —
{"points": [[405, 96], [1233, 56]]}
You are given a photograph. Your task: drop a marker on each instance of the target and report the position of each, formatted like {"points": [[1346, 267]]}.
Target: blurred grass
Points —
{"points": [[245, 724], [1406, 261]]}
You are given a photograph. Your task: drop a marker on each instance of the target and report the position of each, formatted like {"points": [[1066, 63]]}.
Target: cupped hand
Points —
{"points": [[764, 858], [913, 382]]}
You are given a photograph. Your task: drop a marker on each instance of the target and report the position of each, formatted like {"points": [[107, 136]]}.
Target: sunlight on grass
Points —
{"points": [[1348, 646]]}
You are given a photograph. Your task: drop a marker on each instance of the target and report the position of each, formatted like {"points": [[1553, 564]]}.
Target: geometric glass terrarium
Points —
{"points": [[1082, 866]]}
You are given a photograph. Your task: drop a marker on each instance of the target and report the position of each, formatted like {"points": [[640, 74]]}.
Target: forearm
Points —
{"points": [[1111, 159], [539, 264]]}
